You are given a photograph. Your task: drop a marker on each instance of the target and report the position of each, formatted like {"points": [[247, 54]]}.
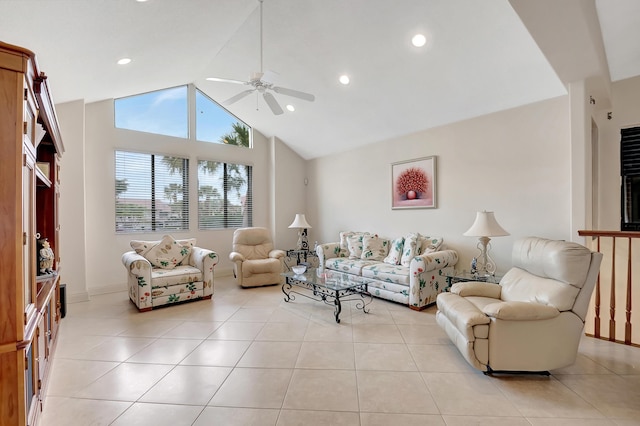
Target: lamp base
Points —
{"points": [[303, 243], [485, 266]]}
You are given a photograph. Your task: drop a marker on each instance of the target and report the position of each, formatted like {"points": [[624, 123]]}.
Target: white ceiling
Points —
{"points": [[479, 58]]}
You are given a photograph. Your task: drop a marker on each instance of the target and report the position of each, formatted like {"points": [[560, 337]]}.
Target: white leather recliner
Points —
{"points": [[255, 261], [533, 320]]}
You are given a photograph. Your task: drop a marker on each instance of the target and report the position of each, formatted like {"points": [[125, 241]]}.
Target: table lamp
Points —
{"points": [[300, 222], [484, 227]]}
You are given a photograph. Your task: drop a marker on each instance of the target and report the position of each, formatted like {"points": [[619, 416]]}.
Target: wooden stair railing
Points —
{"points": [[614, 235]]}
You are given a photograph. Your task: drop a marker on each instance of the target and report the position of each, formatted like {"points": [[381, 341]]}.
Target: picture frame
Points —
{"points": [[413, 183]]}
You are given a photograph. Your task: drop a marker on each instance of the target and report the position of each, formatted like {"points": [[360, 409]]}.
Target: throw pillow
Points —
{"points": [[167, 254], [429, 244], [395, 251], [374, 247], [354, 243], [410, 249]]}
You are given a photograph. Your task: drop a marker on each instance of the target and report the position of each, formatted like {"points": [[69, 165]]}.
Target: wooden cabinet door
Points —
{"points": [[28, 237]]}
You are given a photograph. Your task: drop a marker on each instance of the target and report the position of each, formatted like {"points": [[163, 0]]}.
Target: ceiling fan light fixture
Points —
{"points": [[290, 108], [418, 40], [344, 79], [124, 61]]}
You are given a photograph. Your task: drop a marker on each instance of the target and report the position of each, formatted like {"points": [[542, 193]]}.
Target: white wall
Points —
{"points": [[515, 163], [72, 201]]}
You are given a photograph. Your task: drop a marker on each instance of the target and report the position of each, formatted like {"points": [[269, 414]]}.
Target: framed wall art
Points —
{"points": [[413, 184]]}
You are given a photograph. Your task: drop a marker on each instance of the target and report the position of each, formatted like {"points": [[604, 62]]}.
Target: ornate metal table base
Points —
{"points": [[328, 295]]}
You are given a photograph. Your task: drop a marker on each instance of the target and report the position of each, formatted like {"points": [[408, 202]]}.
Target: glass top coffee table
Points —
{"points": [[330, 287]]}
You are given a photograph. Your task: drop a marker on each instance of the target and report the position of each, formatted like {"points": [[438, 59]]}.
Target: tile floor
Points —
{"points": [[248, 358]]}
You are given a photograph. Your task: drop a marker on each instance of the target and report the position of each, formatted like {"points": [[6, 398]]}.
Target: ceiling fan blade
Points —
{"points": [[237, 97], [273, 104], [226, 80], [295, 93]]}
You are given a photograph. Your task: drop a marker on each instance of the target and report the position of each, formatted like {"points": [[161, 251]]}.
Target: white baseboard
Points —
{"points": [[78, 297]]}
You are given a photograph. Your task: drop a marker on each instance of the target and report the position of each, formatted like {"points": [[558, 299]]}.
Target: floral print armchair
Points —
{"points": [[168, 271]]}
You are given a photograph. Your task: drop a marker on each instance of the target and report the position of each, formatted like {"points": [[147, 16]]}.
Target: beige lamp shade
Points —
{"points": [[300, 222], [485, 225]]}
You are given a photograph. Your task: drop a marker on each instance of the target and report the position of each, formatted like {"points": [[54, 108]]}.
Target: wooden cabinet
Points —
{"points": [[30, 150]]}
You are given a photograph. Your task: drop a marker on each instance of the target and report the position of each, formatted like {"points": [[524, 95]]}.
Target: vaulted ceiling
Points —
{"points": [[480, 56]]}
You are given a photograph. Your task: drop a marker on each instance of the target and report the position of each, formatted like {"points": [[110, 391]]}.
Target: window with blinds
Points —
{"points": [[630, 172], [224, 195], [152, 192]]}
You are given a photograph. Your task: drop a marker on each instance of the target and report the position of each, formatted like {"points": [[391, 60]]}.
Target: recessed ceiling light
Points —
{"points": [[344, 79], [124, 61], [291, 108], [418, 40]]}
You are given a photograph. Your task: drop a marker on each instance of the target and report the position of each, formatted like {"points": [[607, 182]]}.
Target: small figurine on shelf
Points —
{"points": [[474, 266], [45, 256]]}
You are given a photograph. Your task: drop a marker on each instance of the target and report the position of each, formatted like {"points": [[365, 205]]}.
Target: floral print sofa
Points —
{"points": [[168, 271], [410, 269]]}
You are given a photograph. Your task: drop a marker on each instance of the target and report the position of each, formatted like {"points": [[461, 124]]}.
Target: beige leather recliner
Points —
{"points": [[255, 261], [533, 320]]}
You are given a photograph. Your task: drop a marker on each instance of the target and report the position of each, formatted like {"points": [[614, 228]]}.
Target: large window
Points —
{"points": [[630, 171], [164, 112], [224, 195], [152, 192], [216, 124]]}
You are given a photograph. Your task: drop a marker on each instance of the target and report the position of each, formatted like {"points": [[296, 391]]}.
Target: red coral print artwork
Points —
{"points": [[414, 183]]}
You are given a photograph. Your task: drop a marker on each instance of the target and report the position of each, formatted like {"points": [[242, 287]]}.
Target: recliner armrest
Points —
{"points": [[476, 288], [520, 311], [234, 256], [277, 254]]}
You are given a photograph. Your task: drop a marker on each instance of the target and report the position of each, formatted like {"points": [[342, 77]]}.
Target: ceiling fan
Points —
{"points": [[261, 85]]}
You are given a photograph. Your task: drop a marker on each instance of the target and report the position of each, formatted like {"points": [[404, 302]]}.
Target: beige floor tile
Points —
{"points": [[271, 355], [216, 313], [394, 392], [61, 411], [484, 421], [149, 328], [539, 421], [116, 348], [332, 390], [305, 417], [376, 333], [253, 314], [332, 332], [617, 397], [386, 419], [237, 417], [288, 315], [193, 330], [326, 355], [423, 334], [71, 348], [220, 353], [374, 316], [439, 359], [146, 414], [383, 357], [583, 365], [540, 396], [253, 388], [283, 332], [190, 384], [237, 331], [468, 394], [69, 376], [165, 351], [126, 382], [409, 316]]}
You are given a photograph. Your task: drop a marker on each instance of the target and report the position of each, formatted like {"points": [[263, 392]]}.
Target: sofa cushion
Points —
{"points": [[178, 275], [167, 254], [428, 245], [354, 243], [346, 234], [351, 266], [389, 273], [410, 248], [395, 251], [374, 247]]}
